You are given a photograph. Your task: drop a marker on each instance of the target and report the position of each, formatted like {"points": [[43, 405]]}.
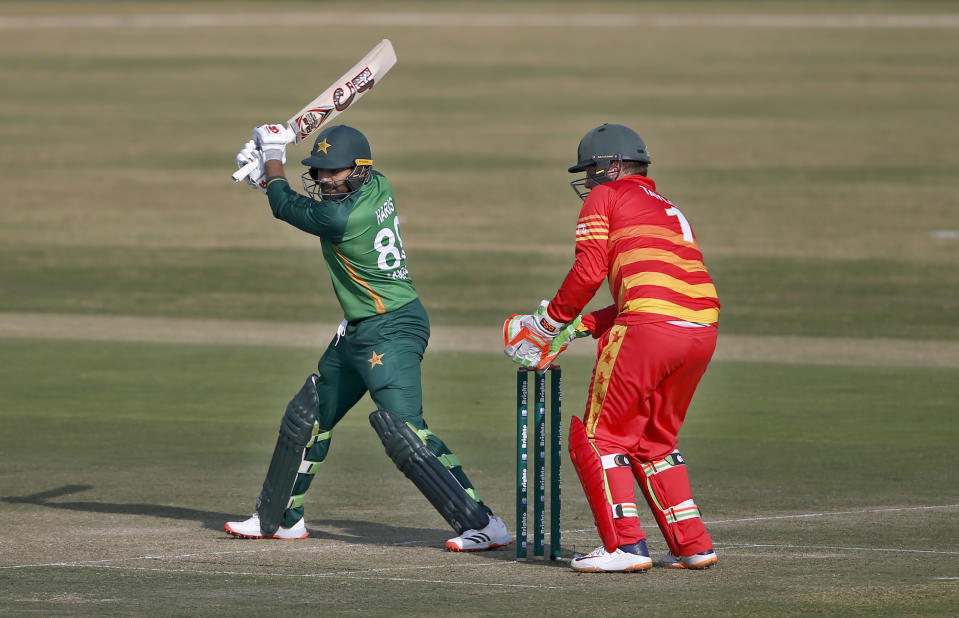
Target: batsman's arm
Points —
{"points": [[274, 167], [327, 221]]}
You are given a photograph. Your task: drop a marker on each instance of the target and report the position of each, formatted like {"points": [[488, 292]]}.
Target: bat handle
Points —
{"points": [[244, 171]]}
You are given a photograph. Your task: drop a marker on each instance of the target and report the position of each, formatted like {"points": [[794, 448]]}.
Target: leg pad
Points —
{"points": [[665, 485], [591, 469], [431, 477], [296, 429]]}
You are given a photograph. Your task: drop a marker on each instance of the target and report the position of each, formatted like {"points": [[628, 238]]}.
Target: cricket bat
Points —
{"points": [[337, 98]]}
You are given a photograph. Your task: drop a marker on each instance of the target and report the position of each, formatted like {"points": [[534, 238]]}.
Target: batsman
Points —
{"points": [[378, 347], [653, 347]]}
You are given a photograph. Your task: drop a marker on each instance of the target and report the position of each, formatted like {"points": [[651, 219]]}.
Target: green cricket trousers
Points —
{"points": [[381, 355]]}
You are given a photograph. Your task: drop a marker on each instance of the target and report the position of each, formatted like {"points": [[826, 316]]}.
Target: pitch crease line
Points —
{"points": [[836, 547], [308, 548], [105, 560], [806, 515], [319, 576], [79, 563], [418, 568], [809, 515]]}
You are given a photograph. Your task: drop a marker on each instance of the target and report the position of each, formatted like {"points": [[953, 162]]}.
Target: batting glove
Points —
{"points": [[249, 153], [272, 140]]}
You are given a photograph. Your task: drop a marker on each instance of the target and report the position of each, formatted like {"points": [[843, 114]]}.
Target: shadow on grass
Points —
{"points": [[209, 519], [343, 530]]}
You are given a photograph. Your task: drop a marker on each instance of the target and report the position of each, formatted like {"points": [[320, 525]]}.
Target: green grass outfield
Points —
{"points": [[810, 144], [122, 461]]}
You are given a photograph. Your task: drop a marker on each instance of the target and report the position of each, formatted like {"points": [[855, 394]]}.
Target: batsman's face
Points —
{"points": [[331, 181]]}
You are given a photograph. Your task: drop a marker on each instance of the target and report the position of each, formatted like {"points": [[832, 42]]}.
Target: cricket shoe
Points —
{"points": [[493, 535], [702, 560], [250, 529], [632, 558]]}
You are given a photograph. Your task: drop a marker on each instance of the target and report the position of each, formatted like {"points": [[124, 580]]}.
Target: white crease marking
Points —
{"points": [[338, 575], [830, 514], [903, 550], [805, 515], [356, 574]]}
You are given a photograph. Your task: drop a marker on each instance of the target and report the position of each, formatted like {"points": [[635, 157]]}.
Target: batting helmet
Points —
{"points": [[338, 147]]}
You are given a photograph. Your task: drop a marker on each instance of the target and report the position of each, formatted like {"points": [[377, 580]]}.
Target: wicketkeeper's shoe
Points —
{"points": [[632, 558], [702, 560], [250, 529], [493, 535]]}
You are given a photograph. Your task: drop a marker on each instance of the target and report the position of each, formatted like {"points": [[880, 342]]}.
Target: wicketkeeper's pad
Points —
{"points": [[431, 477], [591, 469], [665, 484]]}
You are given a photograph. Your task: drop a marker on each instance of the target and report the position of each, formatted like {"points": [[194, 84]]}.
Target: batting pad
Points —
{"points": [[432, 478], [296, 430]]}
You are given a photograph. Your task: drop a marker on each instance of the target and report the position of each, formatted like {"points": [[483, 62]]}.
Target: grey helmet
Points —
{"points": [[338, 147], [599, 147]]}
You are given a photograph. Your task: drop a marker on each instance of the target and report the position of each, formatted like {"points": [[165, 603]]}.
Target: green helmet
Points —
{"points": [[601, 146], [336, 148]]}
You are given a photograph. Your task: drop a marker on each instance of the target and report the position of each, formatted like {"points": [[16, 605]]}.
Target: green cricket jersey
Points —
{"points": [[360, 236]]}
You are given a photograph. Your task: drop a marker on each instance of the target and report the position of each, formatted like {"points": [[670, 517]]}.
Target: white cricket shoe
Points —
{"points": [[626, 559], [702, 560], [250, 529], [493, 535]]}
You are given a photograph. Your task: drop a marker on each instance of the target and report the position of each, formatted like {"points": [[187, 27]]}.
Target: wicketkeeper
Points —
{"points": [[377, 349], [654, 345]]}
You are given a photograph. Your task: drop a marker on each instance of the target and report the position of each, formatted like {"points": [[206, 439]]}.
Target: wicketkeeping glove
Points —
{"points": [[535, 340], [272, 140], [250, 152]]}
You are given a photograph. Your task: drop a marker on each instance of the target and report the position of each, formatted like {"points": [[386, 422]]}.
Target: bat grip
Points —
{"points": [[244, 171]]}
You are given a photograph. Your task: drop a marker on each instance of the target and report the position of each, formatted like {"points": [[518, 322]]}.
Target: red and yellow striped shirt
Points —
{"points": [[641, 242]]}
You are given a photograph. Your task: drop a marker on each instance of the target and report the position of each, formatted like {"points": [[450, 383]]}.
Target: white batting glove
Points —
{"points": [[272, 140], [257, 178]]}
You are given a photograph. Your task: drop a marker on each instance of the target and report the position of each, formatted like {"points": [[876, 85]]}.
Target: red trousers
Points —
{"points": [[643, 382]]}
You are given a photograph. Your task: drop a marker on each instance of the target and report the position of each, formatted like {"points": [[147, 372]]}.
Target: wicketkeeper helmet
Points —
{"points": [[600, 147], [609, 142]]}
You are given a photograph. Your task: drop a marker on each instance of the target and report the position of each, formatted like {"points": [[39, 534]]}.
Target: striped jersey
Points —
{"points": [[641, 242], [360, 237]]}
